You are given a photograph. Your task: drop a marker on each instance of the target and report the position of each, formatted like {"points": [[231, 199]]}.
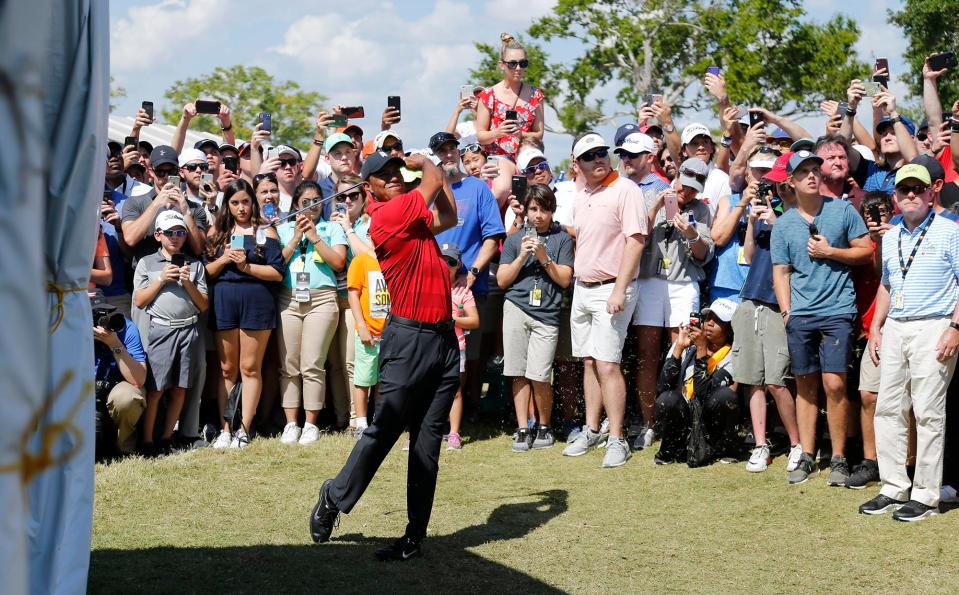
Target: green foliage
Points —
{"points": [[768, 54], [115, 92], [931, 26], [249, 91]]}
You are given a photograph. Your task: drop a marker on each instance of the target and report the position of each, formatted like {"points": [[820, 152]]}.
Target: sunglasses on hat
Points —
{"points": [[696, 176], [472, 148], [268, 176]]}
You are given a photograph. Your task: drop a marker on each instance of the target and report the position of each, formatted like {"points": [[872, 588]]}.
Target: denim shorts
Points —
{"points": [[820, 343]]}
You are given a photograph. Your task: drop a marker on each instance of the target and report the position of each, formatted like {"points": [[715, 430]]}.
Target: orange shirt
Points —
{"points": [[101, 250], [365, 276]]}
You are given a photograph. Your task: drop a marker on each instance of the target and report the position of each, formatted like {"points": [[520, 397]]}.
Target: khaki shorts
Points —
{"points": [[596, 333], [529, 345], [760, 351], [868, 374]]}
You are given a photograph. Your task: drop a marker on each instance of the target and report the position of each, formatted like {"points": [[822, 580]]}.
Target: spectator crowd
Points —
{"points": [[659, 293]]}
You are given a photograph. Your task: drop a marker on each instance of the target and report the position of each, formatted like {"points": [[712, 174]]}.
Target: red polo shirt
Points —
{"points": [[416, 275]]}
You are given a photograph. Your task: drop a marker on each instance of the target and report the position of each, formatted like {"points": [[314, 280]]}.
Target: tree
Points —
{"points": [[931, 26], [769, 56], [249, 91], [115, 92]]}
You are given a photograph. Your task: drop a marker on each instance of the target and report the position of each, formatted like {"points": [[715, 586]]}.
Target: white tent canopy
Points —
{"points": [[155, 134]]}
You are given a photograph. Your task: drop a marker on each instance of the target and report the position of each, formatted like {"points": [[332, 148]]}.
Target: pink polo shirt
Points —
{"points": [[602, 218]]}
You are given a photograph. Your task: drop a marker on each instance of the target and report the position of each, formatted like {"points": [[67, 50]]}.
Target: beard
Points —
{"points": [[452, 170]]}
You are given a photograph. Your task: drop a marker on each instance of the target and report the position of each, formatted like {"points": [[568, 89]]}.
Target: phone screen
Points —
{"points": [[394, 102], [175, 180], [882, 79], [511, 114], [354, 112], [713, 70], [519, 187], [148, 108]]}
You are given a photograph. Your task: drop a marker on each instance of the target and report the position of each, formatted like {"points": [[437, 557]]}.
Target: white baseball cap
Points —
{"points": [[527, 155], [170, 219], [637, 142], [693, 130], [589, 141], [723, 309], [383, 135], [191, 155]]}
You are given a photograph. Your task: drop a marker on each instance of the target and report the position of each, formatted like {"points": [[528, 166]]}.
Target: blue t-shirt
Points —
{"points": [[879, 178], [310, 261], [727, 272], [118, 286], [758, 285], [821, 286], [105, 364], [478, 218]]}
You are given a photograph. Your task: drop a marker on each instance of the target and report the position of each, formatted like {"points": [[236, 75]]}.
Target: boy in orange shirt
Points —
{"points": [[370, 304]]}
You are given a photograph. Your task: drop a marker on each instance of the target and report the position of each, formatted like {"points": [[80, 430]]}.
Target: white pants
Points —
{"points": [[911, 376]]}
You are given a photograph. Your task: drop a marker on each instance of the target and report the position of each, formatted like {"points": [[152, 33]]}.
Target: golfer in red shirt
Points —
{"points": [[419, 355]]}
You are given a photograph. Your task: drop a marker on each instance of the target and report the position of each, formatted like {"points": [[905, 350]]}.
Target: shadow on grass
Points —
{"points": [[345, 564]]}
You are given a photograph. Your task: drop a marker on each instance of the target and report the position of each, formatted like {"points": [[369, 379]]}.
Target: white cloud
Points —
{"points": [[332, 48], [153, 34]]}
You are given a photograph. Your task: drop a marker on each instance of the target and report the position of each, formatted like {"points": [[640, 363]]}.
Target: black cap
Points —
{"points": [[949, 197], [144, 144], [936, 171], [204, 142], [377, 161], [441, 138], [164, 154]]}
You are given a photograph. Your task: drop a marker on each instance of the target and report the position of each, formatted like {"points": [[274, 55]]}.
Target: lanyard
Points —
{"points": [[905, 266]]}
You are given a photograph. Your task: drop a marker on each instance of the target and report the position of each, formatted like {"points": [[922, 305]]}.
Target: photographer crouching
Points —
{"points": [[120, 373]]}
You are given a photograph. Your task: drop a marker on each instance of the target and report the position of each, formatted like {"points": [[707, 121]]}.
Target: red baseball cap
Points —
{"points": [[778, 172]]}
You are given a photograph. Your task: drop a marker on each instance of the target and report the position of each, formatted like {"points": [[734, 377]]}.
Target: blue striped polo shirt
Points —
{"points": [[931, 287]]}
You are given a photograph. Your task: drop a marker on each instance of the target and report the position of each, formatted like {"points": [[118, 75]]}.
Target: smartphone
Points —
{"points": [[874, 213], [270, 153], [207, 106], [148, 108], [393, 101], [512, 115], [130, 141], [712, 70], [764, 190], [493, 160], [269, 211], [107, 195], [178, 259], [843, 109], [519, 187], [692, 218], [265, 119], [671, 205], [337, 121], [341, 208], [756, 118], [743, 111], [206, 179], [175, 180], [943, 60], [236, 241], [232, 164], [655, 97], [466, 91], [882, 79], [529, 230], [813, 230], [871, 88], [354, 112], [694, 319], [647, 100]]}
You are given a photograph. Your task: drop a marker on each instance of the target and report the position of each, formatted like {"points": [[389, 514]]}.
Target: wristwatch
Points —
{"points": [[669, 128], [474, 271], [230, 127], [727, 141], [954, 325], [118, 350], [896, 118], [548, 262]]}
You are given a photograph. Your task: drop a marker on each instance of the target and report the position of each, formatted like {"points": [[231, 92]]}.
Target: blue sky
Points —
{"points": [[360, 51]]}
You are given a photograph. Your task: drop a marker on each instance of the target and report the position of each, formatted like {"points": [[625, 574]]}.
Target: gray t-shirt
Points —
{"points": [[667, 253], [173, 302], [135, 206], [818, 286], [559, 247]]}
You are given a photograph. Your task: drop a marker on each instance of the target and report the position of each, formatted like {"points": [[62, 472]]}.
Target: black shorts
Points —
{"points": [[247, 306]]}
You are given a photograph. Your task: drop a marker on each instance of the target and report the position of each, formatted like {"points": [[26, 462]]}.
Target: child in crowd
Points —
{"points": [[370, 304], [171, 287], [465, 318]]}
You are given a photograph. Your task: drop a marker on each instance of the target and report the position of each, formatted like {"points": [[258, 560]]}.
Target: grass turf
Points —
{"points": [[237, 521]]}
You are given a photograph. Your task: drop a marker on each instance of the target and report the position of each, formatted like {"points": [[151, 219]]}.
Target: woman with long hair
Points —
{"points": [[314, 252], [511, 110], [244, 258]]}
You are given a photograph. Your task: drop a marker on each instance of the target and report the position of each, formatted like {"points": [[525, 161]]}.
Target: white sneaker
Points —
{"points": [[795, 453], [947, 493], [222, 440], [759, 460], [291, 433], [240, 439], [584, 441], [617, 453], [310, 433], [645, 438]]}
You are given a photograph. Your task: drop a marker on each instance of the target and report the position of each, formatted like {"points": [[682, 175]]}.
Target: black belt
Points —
{"points": [[438, 327], [597, 283]]}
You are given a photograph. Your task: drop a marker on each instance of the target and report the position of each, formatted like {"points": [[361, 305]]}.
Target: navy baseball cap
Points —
{"points": [[932, 165], [206, 142], [800, 157], [164, 154], [377, 161], [622, 132], [906, 121], [441, 138]]}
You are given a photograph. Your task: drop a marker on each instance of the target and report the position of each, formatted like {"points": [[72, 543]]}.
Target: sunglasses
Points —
{"points": [[590, 155], [349, 197], [260, 177], [174, 233], [472, 148], [921, 137], [196, 166], [165, 172], [310, 202], [628, 155], [393, 147], [450, 262], [701, 178], [288, 162], [916, 189], [514, 64], [541, 166]]}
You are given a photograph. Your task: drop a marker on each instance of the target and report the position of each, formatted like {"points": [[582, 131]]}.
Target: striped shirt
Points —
{"points": [[931, 287]]}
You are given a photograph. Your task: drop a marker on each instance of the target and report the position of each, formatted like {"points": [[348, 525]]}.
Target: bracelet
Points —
{"points": [[696, 239], [954, 324], [351, 232], [850, 111], [228, 128], [548, 262], [784, 313], [727, 141], [318, 142]]}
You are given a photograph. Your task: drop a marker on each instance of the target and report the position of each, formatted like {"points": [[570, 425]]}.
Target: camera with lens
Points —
{"points": [[107, 317], [764, 190]]}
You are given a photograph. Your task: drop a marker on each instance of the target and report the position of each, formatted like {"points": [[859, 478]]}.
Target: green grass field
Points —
{"points": [[236, 521]]}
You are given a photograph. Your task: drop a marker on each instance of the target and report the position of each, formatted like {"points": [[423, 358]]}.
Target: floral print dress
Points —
{"points": [[508, 145]]}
